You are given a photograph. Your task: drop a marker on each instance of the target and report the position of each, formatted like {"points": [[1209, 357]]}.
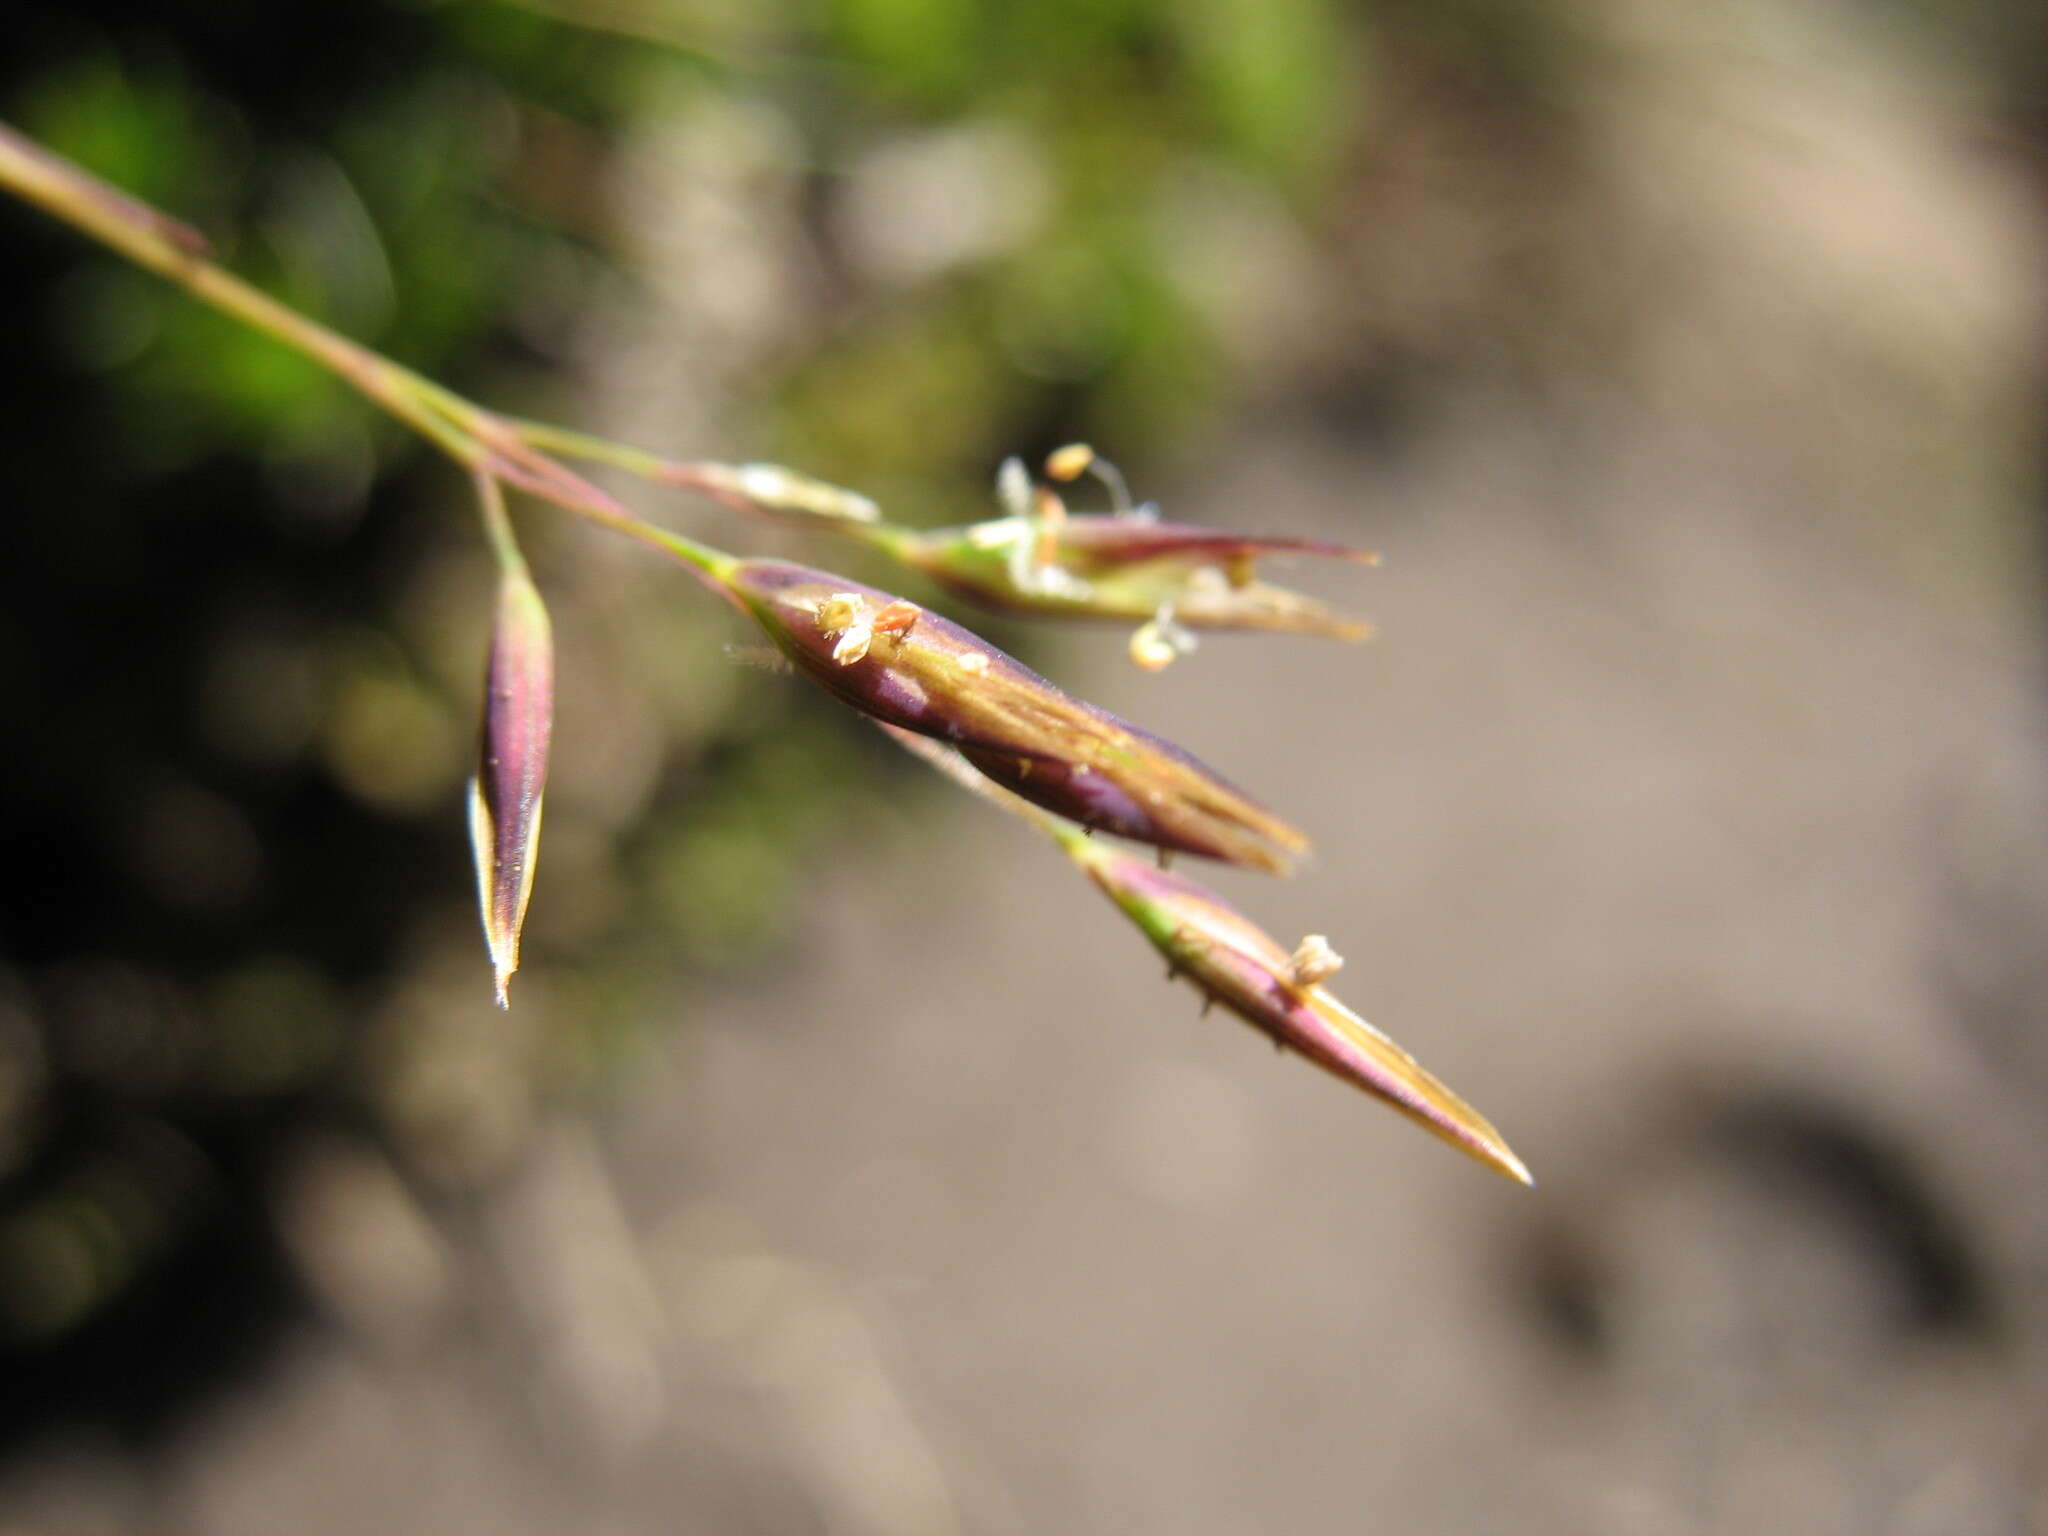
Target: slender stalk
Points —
{"points": [[485, 443], [550, 438], [172, 251], [505, 549], [714, 566], [1072, 838], [721, 482]]}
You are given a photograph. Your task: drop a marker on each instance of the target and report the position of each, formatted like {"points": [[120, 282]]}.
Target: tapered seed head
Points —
{"points": [[505, 795], [911, 668], [1130, 567], [1233, 961]]}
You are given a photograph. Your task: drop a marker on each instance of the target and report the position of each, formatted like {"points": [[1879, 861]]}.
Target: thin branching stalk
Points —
{"points": [[979, 716], [474, 437], [178, 253], [490, 497]]}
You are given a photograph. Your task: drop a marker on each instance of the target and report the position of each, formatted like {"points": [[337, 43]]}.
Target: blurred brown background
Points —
{"points": [[842, 1165]]}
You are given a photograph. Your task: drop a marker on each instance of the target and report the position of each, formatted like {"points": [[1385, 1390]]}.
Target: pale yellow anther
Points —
{"points": [[1314, 961], [1070, 462], [1157, 642], [1150, 649], [836, 612], [846, 615], [853, 645]]}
